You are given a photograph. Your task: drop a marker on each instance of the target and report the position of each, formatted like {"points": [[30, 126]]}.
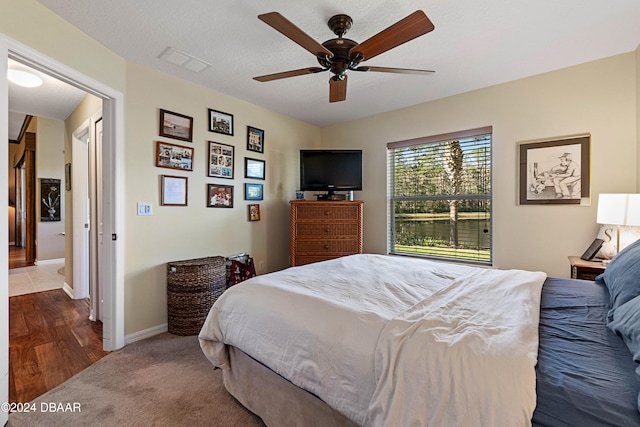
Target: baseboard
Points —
{"points": [[146, 333], [49, 261], [67, 290]]}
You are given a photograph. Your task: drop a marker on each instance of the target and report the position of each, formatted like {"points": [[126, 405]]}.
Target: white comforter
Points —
{"points": [[340, 329]]}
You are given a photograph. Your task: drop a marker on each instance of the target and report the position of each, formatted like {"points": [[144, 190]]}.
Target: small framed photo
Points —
{"points": [[221, 159], [173, 190], [255, 139], [254, 168], [555, 171], [173, 156], [254, 212], [253, 191], [176, 126], [220, 122], [219, 196]]}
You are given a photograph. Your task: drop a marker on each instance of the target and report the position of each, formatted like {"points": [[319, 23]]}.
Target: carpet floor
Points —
{"points": [[162, 381]]}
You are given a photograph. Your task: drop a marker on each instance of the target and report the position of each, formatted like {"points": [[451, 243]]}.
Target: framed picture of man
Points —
{"points": [[555, 171]]}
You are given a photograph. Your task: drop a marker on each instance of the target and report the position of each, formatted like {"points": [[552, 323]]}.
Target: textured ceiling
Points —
{"points": [[475, 44]]}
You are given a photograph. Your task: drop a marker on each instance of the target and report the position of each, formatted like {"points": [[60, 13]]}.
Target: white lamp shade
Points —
{"points": [[619, 209], [633, 210], [611, 209]]}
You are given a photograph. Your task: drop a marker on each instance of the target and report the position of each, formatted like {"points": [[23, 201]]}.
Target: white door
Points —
{"points": [[81, 211], [96, 244]]}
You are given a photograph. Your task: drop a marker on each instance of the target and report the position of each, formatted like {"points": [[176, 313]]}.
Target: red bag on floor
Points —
{"points": [[239, 268]]}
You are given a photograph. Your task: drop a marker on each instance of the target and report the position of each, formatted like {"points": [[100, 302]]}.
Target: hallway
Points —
{"points": [[50, 335], [25, 278]]}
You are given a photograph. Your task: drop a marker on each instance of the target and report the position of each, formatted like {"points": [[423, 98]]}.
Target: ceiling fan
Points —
{"points": [[340, 55]]}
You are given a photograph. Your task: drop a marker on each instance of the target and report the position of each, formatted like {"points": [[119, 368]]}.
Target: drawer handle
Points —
{"points": [[327, 213], [326, 246], [326, 230]]}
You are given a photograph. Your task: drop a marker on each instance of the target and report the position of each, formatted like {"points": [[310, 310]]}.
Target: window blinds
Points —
{"points": [[439, 196]]}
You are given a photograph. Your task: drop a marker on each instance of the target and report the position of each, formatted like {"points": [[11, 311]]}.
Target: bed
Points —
{"points": [[384, 340]]}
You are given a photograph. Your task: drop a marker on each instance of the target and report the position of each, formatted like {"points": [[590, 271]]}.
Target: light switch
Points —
{"points": [[145, 209]]}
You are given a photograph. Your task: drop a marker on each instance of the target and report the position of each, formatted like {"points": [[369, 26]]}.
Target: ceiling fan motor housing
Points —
{"points": [[340, 62]]}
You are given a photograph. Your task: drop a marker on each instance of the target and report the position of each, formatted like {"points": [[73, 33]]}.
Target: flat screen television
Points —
{"points": [[330, 170]]}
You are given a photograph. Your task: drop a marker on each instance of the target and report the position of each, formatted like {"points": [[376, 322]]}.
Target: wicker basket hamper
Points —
{"points": [[192, 288]]}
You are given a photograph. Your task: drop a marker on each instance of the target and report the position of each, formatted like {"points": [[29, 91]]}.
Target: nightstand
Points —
{"points": [[586, 270]]}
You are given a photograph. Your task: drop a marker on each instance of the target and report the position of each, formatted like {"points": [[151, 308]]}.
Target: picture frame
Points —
{"points": [[219, 196], [173, 190], [253, 191], [220, 160], [254, 168], [555, 171], [176, 125], [172, 156], [50, 196], [254, 212], [255, 139], [220, 122]]}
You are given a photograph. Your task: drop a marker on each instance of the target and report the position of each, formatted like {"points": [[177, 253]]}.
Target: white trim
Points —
{"points": [[113, 219], [4, 231], [67, 290], [113, 116], [49, 261], [147, 333], [95, 212]]}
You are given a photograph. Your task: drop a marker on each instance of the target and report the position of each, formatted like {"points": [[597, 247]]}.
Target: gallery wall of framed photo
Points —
{"points": [[219, 156]]}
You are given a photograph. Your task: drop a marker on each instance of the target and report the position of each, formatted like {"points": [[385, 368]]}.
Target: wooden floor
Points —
{"points": [[17, 257], [50, 339]]}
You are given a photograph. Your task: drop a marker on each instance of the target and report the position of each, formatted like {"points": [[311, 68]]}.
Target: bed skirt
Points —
{"points": [[277, 401]]}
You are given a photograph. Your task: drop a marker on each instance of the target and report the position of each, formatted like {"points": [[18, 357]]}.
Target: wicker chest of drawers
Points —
{"points": [[324, 230]]}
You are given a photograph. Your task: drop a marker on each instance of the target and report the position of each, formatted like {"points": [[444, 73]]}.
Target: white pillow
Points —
{"points": [[608, 233]]}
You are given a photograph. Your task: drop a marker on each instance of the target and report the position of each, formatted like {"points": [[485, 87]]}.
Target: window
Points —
{"points": [[440, 196]]}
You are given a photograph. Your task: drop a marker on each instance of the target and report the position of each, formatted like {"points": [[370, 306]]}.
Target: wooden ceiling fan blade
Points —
{"points": [[337, 89], [289, 29], [285, 74], [398, 70], [401, 32]]}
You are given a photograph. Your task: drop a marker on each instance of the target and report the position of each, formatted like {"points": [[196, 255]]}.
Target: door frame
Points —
{"points": [[113, 189], [96, 240]]}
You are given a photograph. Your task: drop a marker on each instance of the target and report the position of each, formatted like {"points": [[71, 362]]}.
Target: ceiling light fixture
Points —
{"points": [[24, 78]]}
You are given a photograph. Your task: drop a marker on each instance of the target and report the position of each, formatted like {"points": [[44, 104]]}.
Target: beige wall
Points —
{"points": [[49, 164], [175, 233], [597, 98]]}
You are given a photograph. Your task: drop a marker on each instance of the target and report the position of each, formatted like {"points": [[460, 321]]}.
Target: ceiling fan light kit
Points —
{"points": [[340, 55]]}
